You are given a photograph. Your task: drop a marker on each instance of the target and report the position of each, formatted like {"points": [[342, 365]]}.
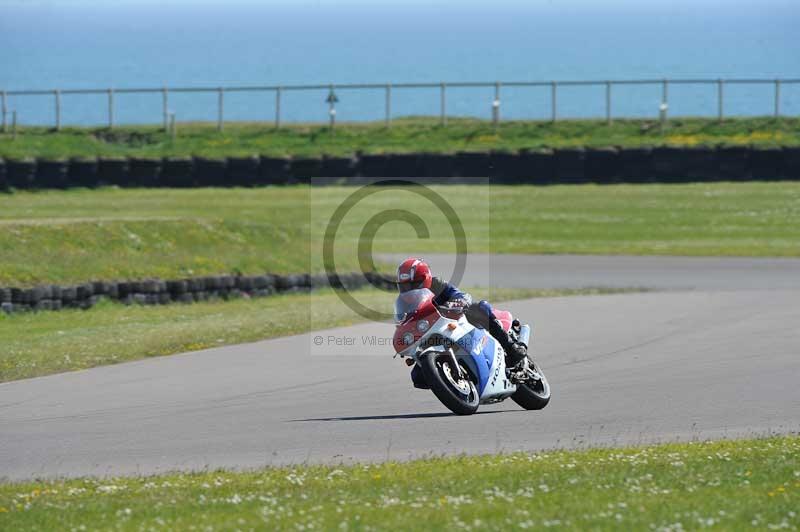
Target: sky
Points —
{"points": [[377, 4], [134, 43]]}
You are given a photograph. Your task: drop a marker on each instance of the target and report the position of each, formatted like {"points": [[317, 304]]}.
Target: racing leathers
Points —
{"points": [[479, 314]]}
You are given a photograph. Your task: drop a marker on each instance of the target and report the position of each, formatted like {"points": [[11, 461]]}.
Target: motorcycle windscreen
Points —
{"points": [[408, 302]]}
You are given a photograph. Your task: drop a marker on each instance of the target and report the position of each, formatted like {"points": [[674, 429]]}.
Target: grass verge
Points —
{"points": [[413, 134], [79, 235], [728, 485], [38, 344]]}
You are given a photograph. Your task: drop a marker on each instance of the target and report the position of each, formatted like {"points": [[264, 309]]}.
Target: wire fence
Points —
{"points": [[364, 106]]}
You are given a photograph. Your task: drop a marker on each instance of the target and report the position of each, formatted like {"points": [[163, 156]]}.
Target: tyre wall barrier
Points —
{"points": [[338, 167], [403, 165], [374, 165], [178, 172], [734, 164], [669, 164], [663, 164], [113, 171], [472, 164], [304, 169], [52, 173], [505, 167], [209, 172], [21, 173], [602, 164], [767, 163], [701, 164], [162, 292], [636, 165], [435, 165], [243, 171], [274, 170], [791, 163], [570, 165], [144, 172], [83, 172], [3, 182]]}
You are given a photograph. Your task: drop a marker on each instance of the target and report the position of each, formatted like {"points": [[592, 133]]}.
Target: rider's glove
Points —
{"points": [[455, 305], [459, 303]]}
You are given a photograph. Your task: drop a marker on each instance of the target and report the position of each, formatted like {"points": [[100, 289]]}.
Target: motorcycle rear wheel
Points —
{"points": [[533, 394], [460, 395]]}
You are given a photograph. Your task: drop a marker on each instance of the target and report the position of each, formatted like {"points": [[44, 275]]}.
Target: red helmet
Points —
{"points": [[413, 274]]}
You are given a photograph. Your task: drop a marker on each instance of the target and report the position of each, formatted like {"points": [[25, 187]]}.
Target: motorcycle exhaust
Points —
{"points": [[524, 334]]}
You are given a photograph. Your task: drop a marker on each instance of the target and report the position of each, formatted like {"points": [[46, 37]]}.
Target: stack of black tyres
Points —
{"points": [[243, 171], [21, 173], [113, 171], [210, 172], [144, 172], [178, 172], [273, 170], [52, 173], [83, 172], [3, 181]]}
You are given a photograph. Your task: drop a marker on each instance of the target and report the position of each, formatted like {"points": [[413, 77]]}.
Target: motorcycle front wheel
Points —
{"points": [[457, 393]]}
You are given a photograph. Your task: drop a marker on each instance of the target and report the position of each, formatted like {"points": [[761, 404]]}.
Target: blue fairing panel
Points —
{"points": [[480, 345]]}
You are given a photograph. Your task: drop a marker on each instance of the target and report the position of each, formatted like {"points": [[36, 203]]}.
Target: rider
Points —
{"points": [[414, 273]]}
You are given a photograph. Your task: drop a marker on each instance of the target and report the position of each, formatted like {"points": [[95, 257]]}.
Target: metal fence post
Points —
{"points": [[14, 124], [443, 104], [278, 108], [172, 129], [777, 98], [720, 101], [608, 103], [5, 111], [110, 108], [57, 95], [388, 105], [165, 108], [664, 96], [220, 108], [332, 99], [496, 105], [553, 101]]}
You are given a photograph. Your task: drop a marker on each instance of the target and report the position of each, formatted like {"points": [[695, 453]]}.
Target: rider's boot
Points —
{"points": [[516, 352]]}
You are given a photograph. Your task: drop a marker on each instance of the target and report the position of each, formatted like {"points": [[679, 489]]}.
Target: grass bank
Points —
{"points": [[406, 135], [728, 485], [38, 344], [79, 235]]}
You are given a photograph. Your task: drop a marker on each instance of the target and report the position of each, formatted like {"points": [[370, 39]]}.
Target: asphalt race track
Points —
{"points": [[716, 355]]}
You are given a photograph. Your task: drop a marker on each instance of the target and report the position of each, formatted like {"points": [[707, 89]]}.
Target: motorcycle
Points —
{"points": [[462, 364]]}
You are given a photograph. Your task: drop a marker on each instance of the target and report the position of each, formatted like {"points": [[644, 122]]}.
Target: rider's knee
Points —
{"points": [[418, 378]]}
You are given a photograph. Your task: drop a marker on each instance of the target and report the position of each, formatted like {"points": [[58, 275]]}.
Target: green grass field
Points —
{"points": [[727, 485], [405, 135], [50, 342], [79, 235]]}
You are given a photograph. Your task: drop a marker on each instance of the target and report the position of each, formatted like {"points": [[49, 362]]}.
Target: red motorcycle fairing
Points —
{"points": [[505, 318], [425, 310]]}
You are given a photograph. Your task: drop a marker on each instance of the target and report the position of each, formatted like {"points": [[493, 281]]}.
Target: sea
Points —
{"points": [[84, 44]]}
